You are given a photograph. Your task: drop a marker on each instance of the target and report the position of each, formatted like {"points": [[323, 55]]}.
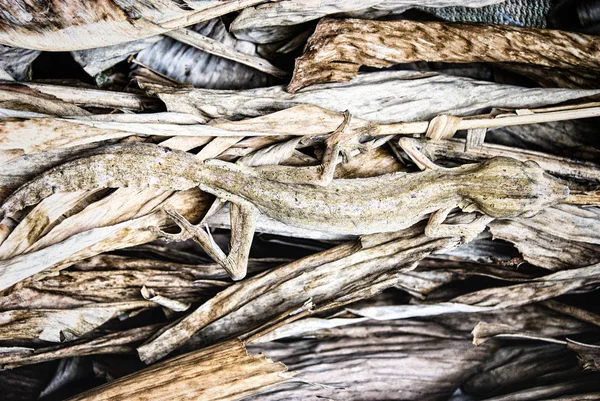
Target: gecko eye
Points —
{"points": [[531, 163]]}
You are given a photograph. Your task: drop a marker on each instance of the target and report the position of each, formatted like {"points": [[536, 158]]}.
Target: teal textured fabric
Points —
{"points": [[529, 13]]}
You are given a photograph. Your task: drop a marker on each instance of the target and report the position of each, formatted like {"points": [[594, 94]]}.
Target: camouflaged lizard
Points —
{"points": [[498, 188]]}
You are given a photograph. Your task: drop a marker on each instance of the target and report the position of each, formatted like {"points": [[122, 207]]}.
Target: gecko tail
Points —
{"points": [[129, 165]]}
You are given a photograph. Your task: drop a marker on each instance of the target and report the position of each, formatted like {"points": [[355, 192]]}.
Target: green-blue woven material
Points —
{"points": [[530, 13]]}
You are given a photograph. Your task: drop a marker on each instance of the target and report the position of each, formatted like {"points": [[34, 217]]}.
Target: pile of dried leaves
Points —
{"points": [[96, 305]]}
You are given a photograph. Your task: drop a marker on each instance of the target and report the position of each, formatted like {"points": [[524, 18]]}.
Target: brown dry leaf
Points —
{"points": [[90, 97], [120, 342], [223, 371], [331, 278], [23, 98], [559, 237], [381, 359], [60, 325], [106, 285], [78, 24], [382, 97], [338, 48], [539, 289], [275, 21], [588, 355], [94, 241]]}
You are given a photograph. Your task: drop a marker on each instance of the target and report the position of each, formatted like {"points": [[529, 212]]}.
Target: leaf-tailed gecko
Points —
{"points": [[498, 188]]}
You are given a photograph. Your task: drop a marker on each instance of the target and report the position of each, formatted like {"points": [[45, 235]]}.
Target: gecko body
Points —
{"points": [[498, 188]]}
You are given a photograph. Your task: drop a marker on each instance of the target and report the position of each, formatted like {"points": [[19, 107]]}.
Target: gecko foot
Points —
{"points": [[169, 237], [185, 234], [436, 228]]}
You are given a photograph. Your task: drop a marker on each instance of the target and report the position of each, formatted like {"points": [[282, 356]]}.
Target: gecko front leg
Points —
{"points": [[437, 229], [435, 226], [340, 143], [243, 224]]}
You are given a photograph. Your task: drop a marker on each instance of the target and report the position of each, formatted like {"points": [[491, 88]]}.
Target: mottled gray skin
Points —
{"points": [[500, 188]]}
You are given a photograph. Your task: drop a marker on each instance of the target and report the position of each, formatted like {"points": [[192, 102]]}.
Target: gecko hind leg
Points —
{"points": [[437, 229], [243, 225]]}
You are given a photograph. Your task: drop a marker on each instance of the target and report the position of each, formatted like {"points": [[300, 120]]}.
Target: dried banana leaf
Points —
{"points": [[78, 24], [186, 64], [224, 371], [380, 359], [60, 325], [338, 48], [538, 238], [120, 342], [534, 372], [366, 271], [16, 63], [383, 97], [276, 21]]}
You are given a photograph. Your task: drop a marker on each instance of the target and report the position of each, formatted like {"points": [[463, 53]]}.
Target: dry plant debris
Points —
{"points": [[426, 230], [338, 48]]}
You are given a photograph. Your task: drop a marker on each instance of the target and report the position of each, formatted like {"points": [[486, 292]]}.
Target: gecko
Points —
{"points": [[499, 188]]}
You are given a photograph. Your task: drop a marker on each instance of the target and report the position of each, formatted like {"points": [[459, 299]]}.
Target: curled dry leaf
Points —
{"points": [[208, 56], [223, 371], [275, 21], [540, 289], [338, 48], [557, 238], [486, 331], [366, 272], [78, 24], [62, 324], [120, 342], [171, 304], [588, 355], [382, 97]]}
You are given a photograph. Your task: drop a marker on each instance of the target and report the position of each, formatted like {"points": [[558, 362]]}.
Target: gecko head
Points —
{"points": [[507, 188]]}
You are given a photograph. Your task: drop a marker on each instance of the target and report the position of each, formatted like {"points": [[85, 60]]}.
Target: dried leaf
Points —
{"points": [[224, 371], [171, 304], [338, 48], [60, 325], [16, 62], [373, 96], [98, 59], [366, 272], [588, 355], [559, 237], [77, 25], [546, 287], [114, 343], [219, 63], [271, 22]]}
